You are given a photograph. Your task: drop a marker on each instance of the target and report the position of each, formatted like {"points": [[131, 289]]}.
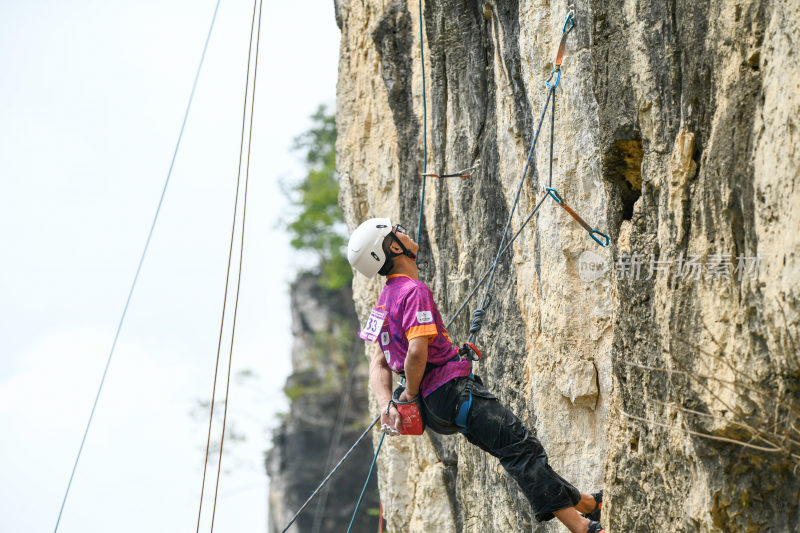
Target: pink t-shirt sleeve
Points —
{"points": [[418, 319]]}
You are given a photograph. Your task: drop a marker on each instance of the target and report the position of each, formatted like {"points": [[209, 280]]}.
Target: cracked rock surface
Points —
{"points": [[676, 133]]}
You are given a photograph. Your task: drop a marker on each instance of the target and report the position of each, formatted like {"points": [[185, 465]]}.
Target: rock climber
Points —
{"points": [[412, 341]]}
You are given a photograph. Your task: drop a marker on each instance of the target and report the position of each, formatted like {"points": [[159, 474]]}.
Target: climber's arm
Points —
{"points": [[416, 359], [380, 379]]}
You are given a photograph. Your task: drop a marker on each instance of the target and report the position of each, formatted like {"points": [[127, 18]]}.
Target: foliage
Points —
{"points": [[333, 347], [296, 391], [328, 352], [245, 378], [310, 383], [318, 225]]}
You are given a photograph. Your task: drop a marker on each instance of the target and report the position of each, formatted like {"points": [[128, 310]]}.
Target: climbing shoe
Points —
{"points": [[595, 527], [598, 497]]}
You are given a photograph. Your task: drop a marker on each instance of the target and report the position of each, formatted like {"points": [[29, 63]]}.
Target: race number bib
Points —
{"points": [[373, 327]]}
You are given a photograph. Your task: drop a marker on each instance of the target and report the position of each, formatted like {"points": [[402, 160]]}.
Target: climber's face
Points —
{"points": [[401, 234]]}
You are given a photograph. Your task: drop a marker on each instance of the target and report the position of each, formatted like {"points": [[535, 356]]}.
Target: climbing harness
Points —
{"points": [[139, 267]]}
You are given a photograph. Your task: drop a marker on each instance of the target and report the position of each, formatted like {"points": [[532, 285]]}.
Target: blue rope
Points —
{"points": [[424, 129], [419, 232], [477, 316], [486, 274], [369, 475], [552, 135], [328, 477], [139, 267]]}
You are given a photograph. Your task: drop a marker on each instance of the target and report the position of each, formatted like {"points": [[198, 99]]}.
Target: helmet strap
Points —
{"points": [[406, 252], [388, 265]]}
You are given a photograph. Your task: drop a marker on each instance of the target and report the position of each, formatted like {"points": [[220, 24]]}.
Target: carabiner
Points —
{"points": [[569, 20], [598, 232], [569, 23], [469, 352], [592, 232], [557, 72], [554, 195]]}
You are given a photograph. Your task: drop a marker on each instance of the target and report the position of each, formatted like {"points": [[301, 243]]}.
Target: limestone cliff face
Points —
{"points": [[327, 412], [676, 133]]}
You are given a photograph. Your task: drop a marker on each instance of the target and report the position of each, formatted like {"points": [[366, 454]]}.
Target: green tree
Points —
{"points": [[318, 224]]}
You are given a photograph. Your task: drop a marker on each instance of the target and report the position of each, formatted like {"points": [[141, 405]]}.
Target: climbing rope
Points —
{"points": [[332, 472], [228, 270], [239, 274], [478, 314], [504, 245], [139, 267], [344, 405], [475, 325], [488, 271], [369, 475], [424, 128]]}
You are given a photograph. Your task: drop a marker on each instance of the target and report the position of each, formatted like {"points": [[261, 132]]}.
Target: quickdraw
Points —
{"points": [[463, 173], [569, 23], [477, 316], [413, 421], [593, 233]]}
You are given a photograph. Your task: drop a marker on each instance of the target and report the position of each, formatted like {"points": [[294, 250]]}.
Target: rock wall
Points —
{"points": [[327, 413], [643, 366]]}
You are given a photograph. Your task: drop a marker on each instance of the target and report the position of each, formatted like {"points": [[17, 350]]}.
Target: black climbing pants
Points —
{"points": [[495, 429]]}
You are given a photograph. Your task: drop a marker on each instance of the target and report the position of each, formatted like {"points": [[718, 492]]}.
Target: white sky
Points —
{"points": [[92, 95]]}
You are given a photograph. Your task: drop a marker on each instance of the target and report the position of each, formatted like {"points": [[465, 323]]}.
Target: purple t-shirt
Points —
{"points": [[410, 313]]}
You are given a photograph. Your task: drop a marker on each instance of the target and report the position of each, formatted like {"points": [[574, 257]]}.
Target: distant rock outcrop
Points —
{"points": [[327, 413], [653, 367]]}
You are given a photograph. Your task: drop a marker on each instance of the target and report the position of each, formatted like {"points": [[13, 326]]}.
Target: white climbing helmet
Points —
{"points": [[365, 249]]}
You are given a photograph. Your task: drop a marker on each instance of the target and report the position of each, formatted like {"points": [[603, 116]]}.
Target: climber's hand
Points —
{"points": [[406, 397], [390, 422]]}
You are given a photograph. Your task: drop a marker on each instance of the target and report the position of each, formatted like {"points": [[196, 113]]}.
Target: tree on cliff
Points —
{"points": [[318, 226]]}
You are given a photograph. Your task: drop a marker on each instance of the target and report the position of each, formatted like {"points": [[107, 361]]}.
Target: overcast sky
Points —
{"points": [[92, 95]]}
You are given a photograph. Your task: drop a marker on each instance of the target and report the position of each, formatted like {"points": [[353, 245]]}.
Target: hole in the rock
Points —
{"points": [[633, 443], [622, 166]]}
